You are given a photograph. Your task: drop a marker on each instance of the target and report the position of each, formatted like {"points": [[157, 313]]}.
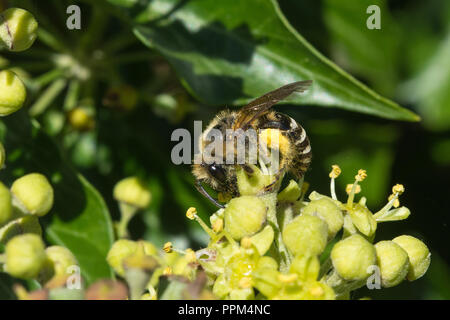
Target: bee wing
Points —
{"points": [[259, 106]]}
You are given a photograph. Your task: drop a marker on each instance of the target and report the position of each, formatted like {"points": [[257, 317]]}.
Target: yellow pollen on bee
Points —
{"points": [[275, 140], [191, 213], [335, 171], [362, 174], [398, 188], [349, 187], [168, 247], [287, 278]]}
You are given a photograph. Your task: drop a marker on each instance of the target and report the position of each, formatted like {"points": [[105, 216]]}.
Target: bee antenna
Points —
{"points": [[202, 190]]}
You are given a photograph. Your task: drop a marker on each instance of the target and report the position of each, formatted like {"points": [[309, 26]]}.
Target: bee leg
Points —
{"points": [[278, 176], [269, 187], [202, 190]]}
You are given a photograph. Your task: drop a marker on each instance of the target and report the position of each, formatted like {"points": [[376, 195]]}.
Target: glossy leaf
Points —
{"points": [[235, 51], [430, 89], [79, 219], [371, 53]]}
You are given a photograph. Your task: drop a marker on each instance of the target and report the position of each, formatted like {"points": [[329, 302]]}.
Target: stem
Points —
{"points": [[325, 267], [92, 36], [72, 95], [50, 40], [270, 200], [332, 189], [126, 213], [351, 196], [341, 286], [137, 280], [48, 77], [47, 97], [386, 207]]}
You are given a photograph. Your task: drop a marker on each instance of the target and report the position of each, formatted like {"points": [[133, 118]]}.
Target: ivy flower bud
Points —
{"points": [[5, 204], [80, 119], [13, 93], [25, 256], [363, 219], [393, 262], [352, 256], [18, 29], [33, 193], [62, 259], [132, 191], [327, 210], [418, 253], [120, 250], [244, 216], [306, 235]]}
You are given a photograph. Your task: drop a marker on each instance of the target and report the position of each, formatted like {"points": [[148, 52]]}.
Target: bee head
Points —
{"points": [[217, 171]]}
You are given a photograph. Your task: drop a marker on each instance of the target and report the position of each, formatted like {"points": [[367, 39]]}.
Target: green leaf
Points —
{"points": [[372, 53], [79, 219], [6, 283], [430, 89], [238, 50]]}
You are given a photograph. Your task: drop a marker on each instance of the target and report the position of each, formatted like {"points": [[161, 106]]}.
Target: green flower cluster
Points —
{"points": [[25, 255], [18, 30], [278, 245]]}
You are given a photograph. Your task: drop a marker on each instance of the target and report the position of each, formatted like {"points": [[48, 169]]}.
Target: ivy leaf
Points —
{"points": [[372, 53], [79, 219], [238, 50]]}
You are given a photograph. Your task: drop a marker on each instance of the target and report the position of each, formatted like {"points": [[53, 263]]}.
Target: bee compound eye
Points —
{"points": [[217, 171]]}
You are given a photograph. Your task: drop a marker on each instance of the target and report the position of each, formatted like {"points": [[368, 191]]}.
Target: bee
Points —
{"points": [[294, 145]]}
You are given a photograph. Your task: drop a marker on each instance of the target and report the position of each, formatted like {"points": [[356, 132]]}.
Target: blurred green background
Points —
{"points": [[406, 61]]}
